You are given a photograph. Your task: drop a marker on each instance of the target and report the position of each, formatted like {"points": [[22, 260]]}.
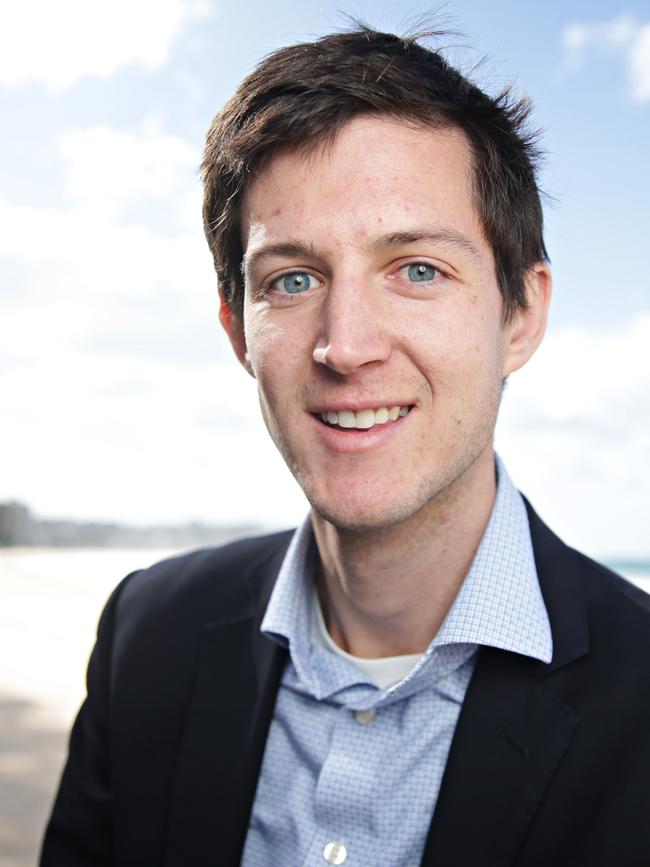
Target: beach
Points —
{"points": [[51, 600]]}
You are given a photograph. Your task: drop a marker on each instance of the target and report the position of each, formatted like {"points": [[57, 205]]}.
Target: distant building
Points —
{"points": [[16, 524]]}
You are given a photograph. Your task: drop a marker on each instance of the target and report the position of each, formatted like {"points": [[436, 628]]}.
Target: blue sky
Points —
{"points": [[119, 396]]}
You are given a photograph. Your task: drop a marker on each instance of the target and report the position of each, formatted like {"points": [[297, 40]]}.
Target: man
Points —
{"points": [[423, 673]]}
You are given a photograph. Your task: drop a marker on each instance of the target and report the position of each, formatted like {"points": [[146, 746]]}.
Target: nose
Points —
{"points": [[355, 329]]}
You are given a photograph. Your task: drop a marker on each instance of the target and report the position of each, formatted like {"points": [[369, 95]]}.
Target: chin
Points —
{"points": [[355, 523], [357, 517], [376, 508]]}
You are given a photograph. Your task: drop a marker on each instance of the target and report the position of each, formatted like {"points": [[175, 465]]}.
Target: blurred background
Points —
{"points": [[127, 429]]}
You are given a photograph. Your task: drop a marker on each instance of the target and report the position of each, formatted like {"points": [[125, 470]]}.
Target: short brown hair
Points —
{"points": [[303, 94]]}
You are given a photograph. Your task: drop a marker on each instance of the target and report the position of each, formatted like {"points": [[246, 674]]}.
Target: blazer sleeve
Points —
{"points": [[79, 831]]}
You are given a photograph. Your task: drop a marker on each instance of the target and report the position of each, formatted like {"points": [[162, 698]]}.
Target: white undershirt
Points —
{"points": [[382, 672]]}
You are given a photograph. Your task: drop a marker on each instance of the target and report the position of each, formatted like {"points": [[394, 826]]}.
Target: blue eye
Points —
{"points": [[296, 282], [420, 272]]}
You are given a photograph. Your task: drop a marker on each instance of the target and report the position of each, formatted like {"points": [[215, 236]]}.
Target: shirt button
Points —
{"points": [[335, 853], [365, 716]]}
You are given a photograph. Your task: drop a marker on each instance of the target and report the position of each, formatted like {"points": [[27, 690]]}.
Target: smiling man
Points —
{"points": [[422, 673]]}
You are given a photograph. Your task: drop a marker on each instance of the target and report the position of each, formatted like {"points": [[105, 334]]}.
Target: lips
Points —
{"points": [[363, 419]]}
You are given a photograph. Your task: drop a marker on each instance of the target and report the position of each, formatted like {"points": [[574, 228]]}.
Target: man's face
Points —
{"points": [[371, 291]]}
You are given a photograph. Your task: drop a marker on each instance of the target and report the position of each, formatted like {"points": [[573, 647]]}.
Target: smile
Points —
{"points": [[363, 419]]}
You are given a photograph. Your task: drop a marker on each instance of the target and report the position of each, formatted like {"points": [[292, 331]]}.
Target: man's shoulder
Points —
{"points": [[582, 594], [603, 580], [619, 610], [221, 563], [226, 582]]}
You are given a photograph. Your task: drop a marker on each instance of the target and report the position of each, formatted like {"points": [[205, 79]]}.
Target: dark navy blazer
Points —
{"points": [[549, 765]]}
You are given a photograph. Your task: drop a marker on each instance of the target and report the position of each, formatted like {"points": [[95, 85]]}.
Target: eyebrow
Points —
{"points": [[298, 249], [281, 249], [440, 236]]}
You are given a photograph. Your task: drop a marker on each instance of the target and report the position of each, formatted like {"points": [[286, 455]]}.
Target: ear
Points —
{"points": [[234, 328], [524, 332]]}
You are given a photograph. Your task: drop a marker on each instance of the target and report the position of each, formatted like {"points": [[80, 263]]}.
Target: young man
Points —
{"points": [[422, 673]]}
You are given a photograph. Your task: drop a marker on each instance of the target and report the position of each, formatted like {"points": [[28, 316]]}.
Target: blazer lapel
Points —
{"points": [[510, 737], [513, 729], [237, 680]]}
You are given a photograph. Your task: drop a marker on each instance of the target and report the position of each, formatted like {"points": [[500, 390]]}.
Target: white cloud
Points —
{"points": [[71, 253], [138, 441], [108, 169], [57, 44], [607, 36], [95, 249], [77, 281], [622, 36], [639, 64], [102, 277], [574, 429]]}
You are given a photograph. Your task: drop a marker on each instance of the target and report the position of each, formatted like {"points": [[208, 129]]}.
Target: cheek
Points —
{"points": [[460, 353], [276, 357], [437, 336], [263, 339]]}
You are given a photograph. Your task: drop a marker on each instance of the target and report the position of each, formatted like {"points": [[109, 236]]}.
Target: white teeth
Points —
{"points": [[381, 415], [347, 418], [364, 419]]}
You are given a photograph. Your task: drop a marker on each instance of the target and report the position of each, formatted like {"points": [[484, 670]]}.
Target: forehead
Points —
{"points": [[378, 174]]}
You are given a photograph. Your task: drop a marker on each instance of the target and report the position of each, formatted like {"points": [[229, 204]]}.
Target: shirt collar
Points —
{"points": [[499, 604], [290, 610]]}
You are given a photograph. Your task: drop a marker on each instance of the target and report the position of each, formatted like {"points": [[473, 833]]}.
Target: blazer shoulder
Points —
{"points": [[610, 582], [559, 566], [224, 582], [615, 603], [588, 604]]}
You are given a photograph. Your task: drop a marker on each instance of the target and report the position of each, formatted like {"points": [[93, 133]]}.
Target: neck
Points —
{"points": [[387, 591]]}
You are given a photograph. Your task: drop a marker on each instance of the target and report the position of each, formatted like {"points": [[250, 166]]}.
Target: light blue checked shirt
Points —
{"points": [[351, 772]]}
